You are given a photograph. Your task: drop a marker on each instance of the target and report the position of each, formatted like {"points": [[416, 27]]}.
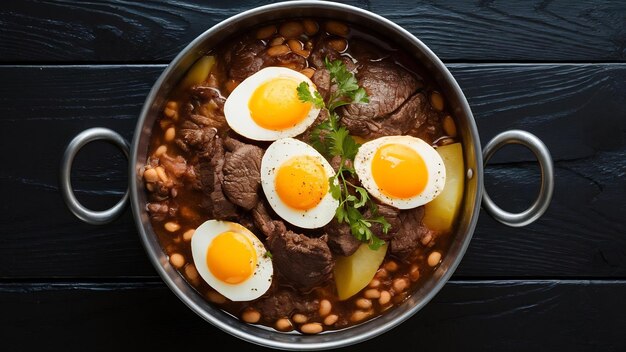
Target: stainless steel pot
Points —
{"points": [[474, 160]]}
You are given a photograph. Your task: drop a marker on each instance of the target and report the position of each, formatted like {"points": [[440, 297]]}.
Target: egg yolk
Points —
{"points": [[301, 182], [275, 105], [399, 171], [231, 257]]}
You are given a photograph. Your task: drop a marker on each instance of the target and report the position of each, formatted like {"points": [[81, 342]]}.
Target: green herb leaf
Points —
{"points": [[363, 197], [304, 93], [333, 140], [268, 254]]}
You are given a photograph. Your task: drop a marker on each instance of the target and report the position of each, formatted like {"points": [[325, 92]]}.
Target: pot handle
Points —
{"points": [[87, 215], [540, 150]]}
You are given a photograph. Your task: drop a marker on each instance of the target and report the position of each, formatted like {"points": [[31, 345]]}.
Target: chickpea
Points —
{"points": [[251, 316], [296, 46], [310, 27], [283, 324], [177, 260], [265, 32], [360, 315], [160, 151], [449, 126], [374, 283], [188, 235], [278, 50], [170, 133], [216, 297], [400, 285], [436, 101], [171, 226], [391, 266], [150, 175], [372, 293], [172, 104], [338, 44], [169, 113], [291, 29], [385, 297], [311, 328], [331, 319], [363, 303], [434, 258], [300, 318], [337, 28], [325, 307]]}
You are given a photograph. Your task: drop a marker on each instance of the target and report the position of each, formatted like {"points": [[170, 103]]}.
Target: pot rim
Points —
{"points": [[304, 342]]}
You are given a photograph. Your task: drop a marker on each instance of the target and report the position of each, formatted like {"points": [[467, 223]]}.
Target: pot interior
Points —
{"points": [[465, 126]]}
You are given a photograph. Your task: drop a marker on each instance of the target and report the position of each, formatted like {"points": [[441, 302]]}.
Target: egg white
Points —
{"points": [[279, 152], [434, 165], [255, 286], [238, 114]]}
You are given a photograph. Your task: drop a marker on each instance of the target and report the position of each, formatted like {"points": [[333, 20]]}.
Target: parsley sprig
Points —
{"points": [[333, 140]]}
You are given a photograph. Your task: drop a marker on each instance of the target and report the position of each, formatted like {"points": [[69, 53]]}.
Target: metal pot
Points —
{"points": [[474, 160]]}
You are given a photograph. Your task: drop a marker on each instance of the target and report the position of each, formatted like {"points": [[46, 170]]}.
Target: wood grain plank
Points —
{"points": [[484, 315], [154, 31], [578, 110]]}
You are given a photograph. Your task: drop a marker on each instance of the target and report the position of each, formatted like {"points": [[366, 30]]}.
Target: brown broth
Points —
{"points": [[190, 215]]}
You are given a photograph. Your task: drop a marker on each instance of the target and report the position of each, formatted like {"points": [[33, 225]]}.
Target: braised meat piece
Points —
{"points": [[211, 178], [283, 303], [389, 111], [264, 222], [391, 215], [305, 262], [340, 239], [243, 59], [410, 234], [242, 173], [197, 137]]}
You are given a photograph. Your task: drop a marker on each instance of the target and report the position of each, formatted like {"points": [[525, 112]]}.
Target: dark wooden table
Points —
{"points": [[554, 68]]}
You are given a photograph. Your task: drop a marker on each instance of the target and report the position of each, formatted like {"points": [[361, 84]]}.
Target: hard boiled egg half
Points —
{"points": [[402, 171], [266, 106], [232, 260], [295, 180]]}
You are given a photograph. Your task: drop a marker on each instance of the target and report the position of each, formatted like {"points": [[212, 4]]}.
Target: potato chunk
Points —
{"points": [[199, 71], [353, 273], [440, 213]]}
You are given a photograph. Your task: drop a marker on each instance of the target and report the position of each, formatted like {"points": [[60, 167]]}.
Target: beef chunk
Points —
{"points": [[197, 137], [340, 239], [211, 177], [409, 116], [321, 79], [388, 86], [410, 234], [242, 173], [305, 262], [283, 303], [264, 222], [391, 215], [243, 58]]}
